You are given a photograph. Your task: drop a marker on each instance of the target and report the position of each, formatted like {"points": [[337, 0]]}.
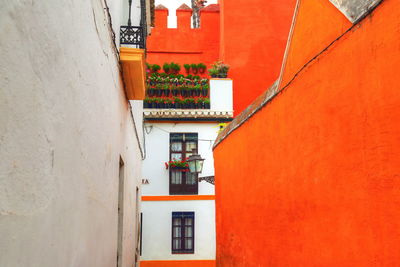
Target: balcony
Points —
{"points": [[134, 36], [214, 102], [132, 52]]}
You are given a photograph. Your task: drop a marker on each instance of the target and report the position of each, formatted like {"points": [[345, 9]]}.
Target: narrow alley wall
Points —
{"points": [[64, 126], [253, 40], [312, 178]]}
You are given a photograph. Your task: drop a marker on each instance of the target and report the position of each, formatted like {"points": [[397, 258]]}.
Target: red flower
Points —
{"points": [[166, 165]]}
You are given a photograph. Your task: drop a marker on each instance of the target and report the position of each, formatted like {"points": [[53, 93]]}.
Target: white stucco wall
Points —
{"points": [[157, 153], [157, 219], [64, 123], [221, 94]]}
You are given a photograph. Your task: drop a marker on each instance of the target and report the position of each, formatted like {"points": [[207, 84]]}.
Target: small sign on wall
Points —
{"points": [[145, 181]]}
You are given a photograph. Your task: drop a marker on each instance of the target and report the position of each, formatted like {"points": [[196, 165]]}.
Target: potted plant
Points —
{"points": [[146, 102], [175, 67], [166, 89], [166, 67], [221, 69], [207, 103], [156, 103], [190, 103], [201, 68], [168, 103], [185, 103], [200, 102], [150, 91], [174, 90], [190, 91], [204, 90], [152, 80], [177, 102], [204, 81], [194, 68], [187, 68], [197, 89], [213, 73], [155, 68], [158, 89], [178, 165], [184, 91]]}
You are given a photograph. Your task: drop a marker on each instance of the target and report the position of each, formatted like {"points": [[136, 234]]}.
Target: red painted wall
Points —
{"points": [[253, 41], [183, 44], [313, 178]]}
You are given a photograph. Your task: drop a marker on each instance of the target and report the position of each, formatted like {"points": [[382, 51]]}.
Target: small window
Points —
{"points": [[182, 232], [182, 145]]}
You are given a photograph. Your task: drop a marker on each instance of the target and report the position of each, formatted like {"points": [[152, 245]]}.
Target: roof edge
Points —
{"points": [[246, 114]]}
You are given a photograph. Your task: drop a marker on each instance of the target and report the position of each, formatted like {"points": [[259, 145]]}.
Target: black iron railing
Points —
{"points": [[133, 35]]}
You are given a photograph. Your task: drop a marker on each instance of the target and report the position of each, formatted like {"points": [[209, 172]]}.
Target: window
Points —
{"points": [[182, 145], [182, 232]]}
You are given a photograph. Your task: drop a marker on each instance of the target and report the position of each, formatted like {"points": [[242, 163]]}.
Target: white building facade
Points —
{"points": [[178, 208], [71, 140]]}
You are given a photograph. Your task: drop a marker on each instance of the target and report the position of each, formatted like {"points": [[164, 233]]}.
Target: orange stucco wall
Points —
{"points": [[313, 178], [188, 263], [253, 41], [183, 44]]}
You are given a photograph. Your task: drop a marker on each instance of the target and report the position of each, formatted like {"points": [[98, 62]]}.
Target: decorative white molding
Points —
{"points": [[185, 113]]}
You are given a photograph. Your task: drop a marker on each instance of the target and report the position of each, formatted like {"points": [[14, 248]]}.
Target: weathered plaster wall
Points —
{"points": [[253, 39], [321, 161], [64, 123]]}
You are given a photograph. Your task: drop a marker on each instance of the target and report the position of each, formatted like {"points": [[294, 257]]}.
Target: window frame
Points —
{"points": [[183, 188], [183, 215]]}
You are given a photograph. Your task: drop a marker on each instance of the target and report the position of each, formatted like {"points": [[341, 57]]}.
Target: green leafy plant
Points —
{"points": [[213, 72], [201, 67], [187, 67], [207, 103], [175, 67], [166, 67], [194, 68], [219, 70], [155, 67]]}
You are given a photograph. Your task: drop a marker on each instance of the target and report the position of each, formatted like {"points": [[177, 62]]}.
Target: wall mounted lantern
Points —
{"points": [[195, 163]]}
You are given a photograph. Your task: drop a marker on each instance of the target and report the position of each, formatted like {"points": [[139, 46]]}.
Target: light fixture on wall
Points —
{"points": [[195, 163]]}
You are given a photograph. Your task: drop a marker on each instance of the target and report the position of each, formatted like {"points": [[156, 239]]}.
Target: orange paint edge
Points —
{"points": [[178, 198]]}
